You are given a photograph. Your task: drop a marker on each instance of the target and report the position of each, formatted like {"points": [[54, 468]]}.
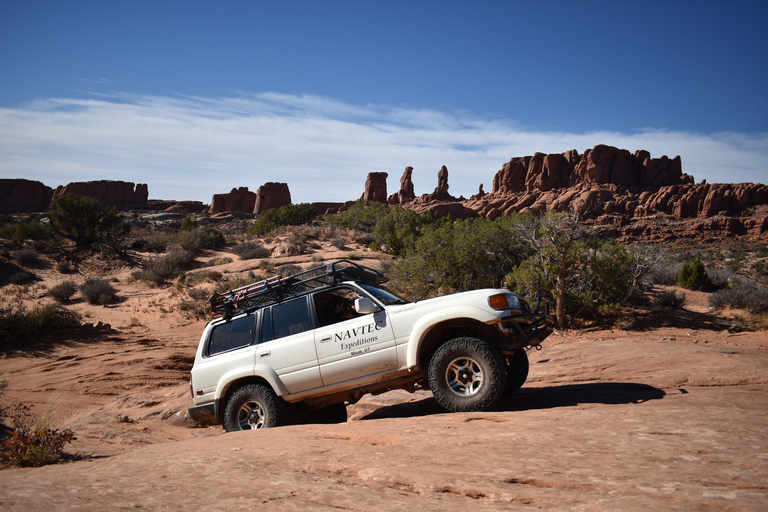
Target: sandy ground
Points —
{"points": [[671, 415]]}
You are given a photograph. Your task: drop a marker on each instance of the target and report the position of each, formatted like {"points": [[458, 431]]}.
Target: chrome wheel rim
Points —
{"points": [[251, 415], [464, 376]]}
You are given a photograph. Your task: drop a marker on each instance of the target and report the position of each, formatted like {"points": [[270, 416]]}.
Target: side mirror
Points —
{"points": [[365, 306]]}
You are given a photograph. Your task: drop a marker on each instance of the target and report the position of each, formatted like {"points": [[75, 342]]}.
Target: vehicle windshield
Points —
{"points": [[386, 297]]}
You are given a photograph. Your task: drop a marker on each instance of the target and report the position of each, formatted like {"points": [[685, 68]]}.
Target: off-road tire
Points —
{"points": [[467, 374], [517, 370], [254, 406]]}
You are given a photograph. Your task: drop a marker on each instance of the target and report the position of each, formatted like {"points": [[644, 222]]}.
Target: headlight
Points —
{"points": [[504, 301]]}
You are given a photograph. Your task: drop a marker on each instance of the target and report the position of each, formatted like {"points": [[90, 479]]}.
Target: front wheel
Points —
{"points": [[253, 406], [467, 374]]}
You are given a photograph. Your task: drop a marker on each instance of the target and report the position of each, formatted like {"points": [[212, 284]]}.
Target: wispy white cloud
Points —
{"points": [[192, 147]]}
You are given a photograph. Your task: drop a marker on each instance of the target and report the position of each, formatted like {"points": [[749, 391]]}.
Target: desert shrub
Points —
{"points": [[385, 266], [27, 230], [161, 269], [669, 299], [187, 224], [210, 238], [18, 322], [362, 238], [337, 242], [288, 270], [156, 242], [64, 267], [62, 292], [250, 251], [29, 444], [665, 272], [219, 261], [27, 257], [98, 291], [693, 275], [199, 293], [20, 278], [198, 238], [742, 294], [287, 215]]}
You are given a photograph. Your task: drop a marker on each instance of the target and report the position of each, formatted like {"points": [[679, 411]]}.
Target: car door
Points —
{"points": [[287, 345], [351, 345]]}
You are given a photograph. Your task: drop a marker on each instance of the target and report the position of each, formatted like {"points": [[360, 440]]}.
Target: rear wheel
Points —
{"points": [[517, 370], [253, 406], [467, 374]]}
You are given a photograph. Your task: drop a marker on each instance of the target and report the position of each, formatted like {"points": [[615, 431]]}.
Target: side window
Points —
{"points": [[290, 318], [336, 305], [231, 335]]}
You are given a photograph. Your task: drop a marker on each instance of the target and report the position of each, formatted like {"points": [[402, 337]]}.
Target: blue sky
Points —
{"points": [[195, 98]]}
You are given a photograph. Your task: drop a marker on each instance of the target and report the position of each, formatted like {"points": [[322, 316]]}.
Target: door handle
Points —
{"points": [[324, 339], [266, 354]]}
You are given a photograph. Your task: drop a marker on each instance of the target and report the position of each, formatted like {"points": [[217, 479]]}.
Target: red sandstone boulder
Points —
{"points": [[375, 187], [24, 196], [271, 195], [123, 195], [237, 200], [406, 193]]}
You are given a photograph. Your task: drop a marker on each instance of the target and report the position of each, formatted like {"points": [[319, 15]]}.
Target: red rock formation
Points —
{"points": [[440, 193], [271, 195], [375, 187], [631, 196], [122, 194], [405, 194], [169, 205], [237, 200], [24, 196]]}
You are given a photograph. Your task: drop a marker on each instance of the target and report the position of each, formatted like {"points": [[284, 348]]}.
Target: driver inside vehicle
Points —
{"points": [[336, 309]]}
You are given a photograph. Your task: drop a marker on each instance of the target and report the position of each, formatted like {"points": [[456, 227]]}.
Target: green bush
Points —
{"points": [[28, 230], [62, 292], [457, 256], [98, 291], [287, 215], [18, 323], [82, 220], [361, 216], [693, 275]]}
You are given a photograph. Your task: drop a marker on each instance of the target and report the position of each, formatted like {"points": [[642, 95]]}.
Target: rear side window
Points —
{"points": [[287, 319], [231, 335]]}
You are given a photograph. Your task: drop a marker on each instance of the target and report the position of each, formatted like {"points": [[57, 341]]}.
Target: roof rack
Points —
{"points": [[279, 288]]}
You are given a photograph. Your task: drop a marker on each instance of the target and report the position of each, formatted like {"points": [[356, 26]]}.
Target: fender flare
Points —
{"points": [[424, 324], [259, 371]]}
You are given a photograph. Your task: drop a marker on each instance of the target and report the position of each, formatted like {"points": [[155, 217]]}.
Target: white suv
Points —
{"points": [[313, 341]]}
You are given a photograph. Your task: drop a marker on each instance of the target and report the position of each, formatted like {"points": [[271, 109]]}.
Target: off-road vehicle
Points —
{"points": [[323, 337]]}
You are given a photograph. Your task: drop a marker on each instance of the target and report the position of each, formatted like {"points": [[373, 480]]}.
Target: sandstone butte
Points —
{"points": [[628, 196]]}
